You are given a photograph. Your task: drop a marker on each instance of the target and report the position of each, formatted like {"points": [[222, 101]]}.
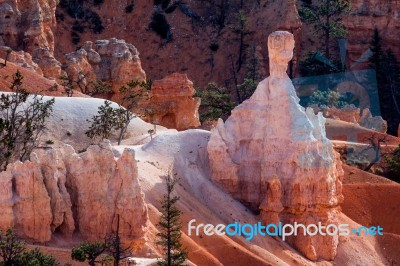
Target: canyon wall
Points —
{"points": [[62, 192], [365, 17], [28, 26]]}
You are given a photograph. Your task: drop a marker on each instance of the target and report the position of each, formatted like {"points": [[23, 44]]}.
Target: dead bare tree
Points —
{"points": [[375, 144]]}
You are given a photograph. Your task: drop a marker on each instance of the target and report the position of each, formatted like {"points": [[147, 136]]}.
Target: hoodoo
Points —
{"points": [[273, 156]]}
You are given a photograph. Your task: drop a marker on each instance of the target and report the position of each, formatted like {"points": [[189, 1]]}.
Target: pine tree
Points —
{"points": [[326, 17], [8, 52], [388, 79], [11, 248], [90, 252], [114, 247], [216, 102], [170, 228], [103, 124]]}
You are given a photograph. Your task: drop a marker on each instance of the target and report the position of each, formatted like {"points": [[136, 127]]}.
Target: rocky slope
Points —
{"points": [[33, 28], [189, 50]]}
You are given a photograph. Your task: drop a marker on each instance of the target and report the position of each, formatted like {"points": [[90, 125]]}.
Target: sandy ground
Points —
{"points": [[372, 200], [205, 202], [32, 82]]}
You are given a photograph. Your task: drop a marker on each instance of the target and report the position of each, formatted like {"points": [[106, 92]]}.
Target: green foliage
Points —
{"points": [[22, 120], [169, 237], [393, 164], [216, 102], [214, 47], [247, 88], [111, 119], [85, 18], [11, 248], [326, 17], [329, 98], [253, 75], [311, 66], [160, 25], [240, 28], [388, 80], [92, 87], [13, 252], [132, 93], [129, 8], [36, 258], [105, 122], [90, 252]]}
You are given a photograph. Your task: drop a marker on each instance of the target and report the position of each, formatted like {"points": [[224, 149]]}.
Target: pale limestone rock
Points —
{"points": [[274, 157], [376, 123], [352, 114], [349, 113], [60, 191]]}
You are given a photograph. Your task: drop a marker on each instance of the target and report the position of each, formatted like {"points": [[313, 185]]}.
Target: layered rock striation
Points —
{"points": [[28, 26], [274, 157], [113, 61], [365, 17], [174, 103], [62, 192]]}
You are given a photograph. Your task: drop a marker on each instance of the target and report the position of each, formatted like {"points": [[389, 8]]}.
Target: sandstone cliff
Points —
{"points": [[368, 15], [28, 25], [62, 192], [274, 157], [113, 61]]}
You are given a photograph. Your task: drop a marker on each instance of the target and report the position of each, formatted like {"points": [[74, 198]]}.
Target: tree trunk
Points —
{"points": [[5, 61], [238, 97]]}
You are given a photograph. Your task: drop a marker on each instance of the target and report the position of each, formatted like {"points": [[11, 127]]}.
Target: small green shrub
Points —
{"points": [[216, 102], [75, 37], [329, 98], [129, 8], [78, 27], [214, 47], [393, 165], [98, 2], [160, 25]]}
